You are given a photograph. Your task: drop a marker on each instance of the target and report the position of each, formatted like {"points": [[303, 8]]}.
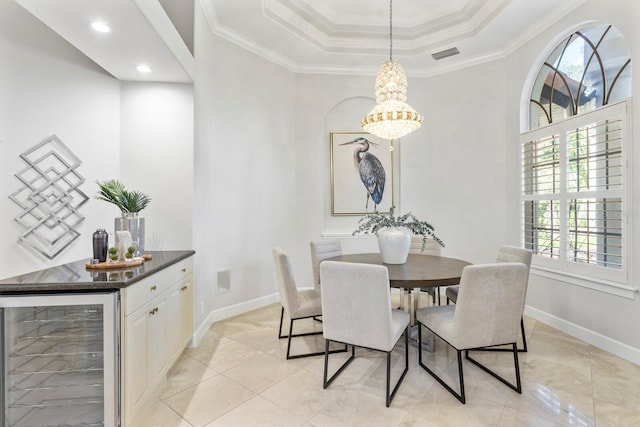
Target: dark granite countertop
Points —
{"points": [[75, 276]]}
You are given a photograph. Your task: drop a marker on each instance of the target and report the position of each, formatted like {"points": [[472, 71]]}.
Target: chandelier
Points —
{"points": [[391, 117]]}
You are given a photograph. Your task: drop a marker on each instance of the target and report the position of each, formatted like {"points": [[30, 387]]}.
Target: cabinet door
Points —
{"points": [[158, 346], [186, 310], [174, 326], [134, 359]]}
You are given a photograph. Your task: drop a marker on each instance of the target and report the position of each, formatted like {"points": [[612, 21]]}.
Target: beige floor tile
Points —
{"points": [[624, 392], [209, 340], [616, 416], [302, 394], [511, 417], [185, 373], [556, 405], [203, 403], [158, 414], [441, 408], [261, 372], [412, 421], [553, 375], [225, 356], [257, 412], [358, 409]]}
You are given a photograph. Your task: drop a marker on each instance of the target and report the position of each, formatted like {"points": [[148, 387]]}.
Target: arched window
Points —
{"points": [[574, 158], [587, 70]]}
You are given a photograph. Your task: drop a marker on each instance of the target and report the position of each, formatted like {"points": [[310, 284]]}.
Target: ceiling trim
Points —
{"points": [[233, 37], [446, 66]]}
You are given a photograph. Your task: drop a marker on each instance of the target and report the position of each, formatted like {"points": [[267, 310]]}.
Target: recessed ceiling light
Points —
{"points": [[143, 68], [100, 27]]}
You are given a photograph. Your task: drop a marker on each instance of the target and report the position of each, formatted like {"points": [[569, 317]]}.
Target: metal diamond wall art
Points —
{"points": [[49, 197]]}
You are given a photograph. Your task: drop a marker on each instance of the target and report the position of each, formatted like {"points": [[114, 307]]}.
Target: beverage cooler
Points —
{"points": [[59, 362]]}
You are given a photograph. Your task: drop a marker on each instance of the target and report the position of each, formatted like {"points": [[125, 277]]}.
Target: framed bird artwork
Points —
{"points": [[361, 173]]}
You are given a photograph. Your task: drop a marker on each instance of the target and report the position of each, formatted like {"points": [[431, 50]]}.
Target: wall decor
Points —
{"points": [[361, 173], [49, 197]]}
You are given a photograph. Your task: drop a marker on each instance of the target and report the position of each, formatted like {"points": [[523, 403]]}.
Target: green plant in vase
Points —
{"points": [[131, 250], [113, 254], [375, 222], [394, 233], [130, 203]]}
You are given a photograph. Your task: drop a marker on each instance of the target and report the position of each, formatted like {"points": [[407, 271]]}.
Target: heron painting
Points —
{"points": [[370, 170], [360, 171]]}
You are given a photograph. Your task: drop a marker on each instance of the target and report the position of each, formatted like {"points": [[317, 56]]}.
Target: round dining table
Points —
{"points": [[419, 272]]}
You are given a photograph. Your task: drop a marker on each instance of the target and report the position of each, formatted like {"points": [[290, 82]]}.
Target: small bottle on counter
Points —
{"points": [[100, 244]]}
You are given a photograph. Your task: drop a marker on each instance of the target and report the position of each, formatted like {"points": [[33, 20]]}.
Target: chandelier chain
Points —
{"points": [[390, 30]]}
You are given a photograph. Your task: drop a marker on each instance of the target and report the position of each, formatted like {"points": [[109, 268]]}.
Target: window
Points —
{"points": [[574, 161]]}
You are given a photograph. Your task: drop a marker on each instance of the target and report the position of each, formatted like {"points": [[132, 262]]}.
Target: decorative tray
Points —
{"points": [[109, 265]]}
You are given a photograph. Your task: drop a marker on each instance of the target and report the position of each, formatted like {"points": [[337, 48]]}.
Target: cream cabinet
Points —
{"points": [[157, 324], [180, 312]]}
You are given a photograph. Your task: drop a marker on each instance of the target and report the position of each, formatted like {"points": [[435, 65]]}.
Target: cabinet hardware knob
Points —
{"points": [[154, 287], [184, 270], [184, 288], [154, 311]]}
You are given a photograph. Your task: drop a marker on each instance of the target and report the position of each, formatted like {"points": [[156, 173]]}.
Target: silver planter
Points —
{"points": [[135, 225]]}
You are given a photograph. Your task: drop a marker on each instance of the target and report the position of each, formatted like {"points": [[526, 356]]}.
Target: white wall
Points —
{"points": [[600, 318], [156, 157], [141, 133], [244, 168], [452, 170], [50, 88]]}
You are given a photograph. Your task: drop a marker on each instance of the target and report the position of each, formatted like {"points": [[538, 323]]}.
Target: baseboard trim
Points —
{"points": [[618, 348], [230, 311]]}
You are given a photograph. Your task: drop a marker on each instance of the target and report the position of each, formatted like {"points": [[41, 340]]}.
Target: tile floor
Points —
{"points": [[238, 376]]}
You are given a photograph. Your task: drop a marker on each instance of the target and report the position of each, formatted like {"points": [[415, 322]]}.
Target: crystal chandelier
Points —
{"points": [[391, 117]]}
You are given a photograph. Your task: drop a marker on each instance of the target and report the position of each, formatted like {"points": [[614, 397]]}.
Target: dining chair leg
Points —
{"points": [[524, 337], [460, 396], [292, 335], [391, 395], [325, 381], [280, 336], [518, 385]]}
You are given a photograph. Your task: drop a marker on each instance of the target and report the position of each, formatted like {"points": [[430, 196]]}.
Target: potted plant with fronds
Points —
{"points": [[130, 204], [394, 233], [114, 191]]}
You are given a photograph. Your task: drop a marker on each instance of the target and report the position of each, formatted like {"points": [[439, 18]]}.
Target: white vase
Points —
{"points": [[394, 244]]}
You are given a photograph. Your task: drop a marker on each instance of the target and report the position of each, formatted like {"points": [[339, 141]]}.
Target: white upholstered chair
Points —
{"points": [[505, 254], [487, 314], [321, 250], [297, 304], [356, 310], [431, 247]]}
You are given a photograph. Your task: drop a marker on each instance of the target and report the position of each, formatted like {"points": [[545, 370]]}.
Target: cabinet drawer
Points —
{"points": [[179, 271], [144, 291]]}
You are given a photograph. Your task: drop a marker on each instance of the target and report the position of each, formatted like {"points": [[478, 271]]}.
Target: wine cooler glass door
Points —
{"points": [[59, 362]]}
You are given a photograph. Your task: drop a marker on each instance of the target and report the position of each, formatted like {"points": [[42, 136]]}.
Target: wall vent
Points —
{"points": [[223, 281], [445, 53]]}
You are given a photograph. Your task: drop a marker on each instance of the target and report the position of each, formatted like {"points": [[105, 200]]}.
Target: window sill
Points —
{"points": [[597, 284]]}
